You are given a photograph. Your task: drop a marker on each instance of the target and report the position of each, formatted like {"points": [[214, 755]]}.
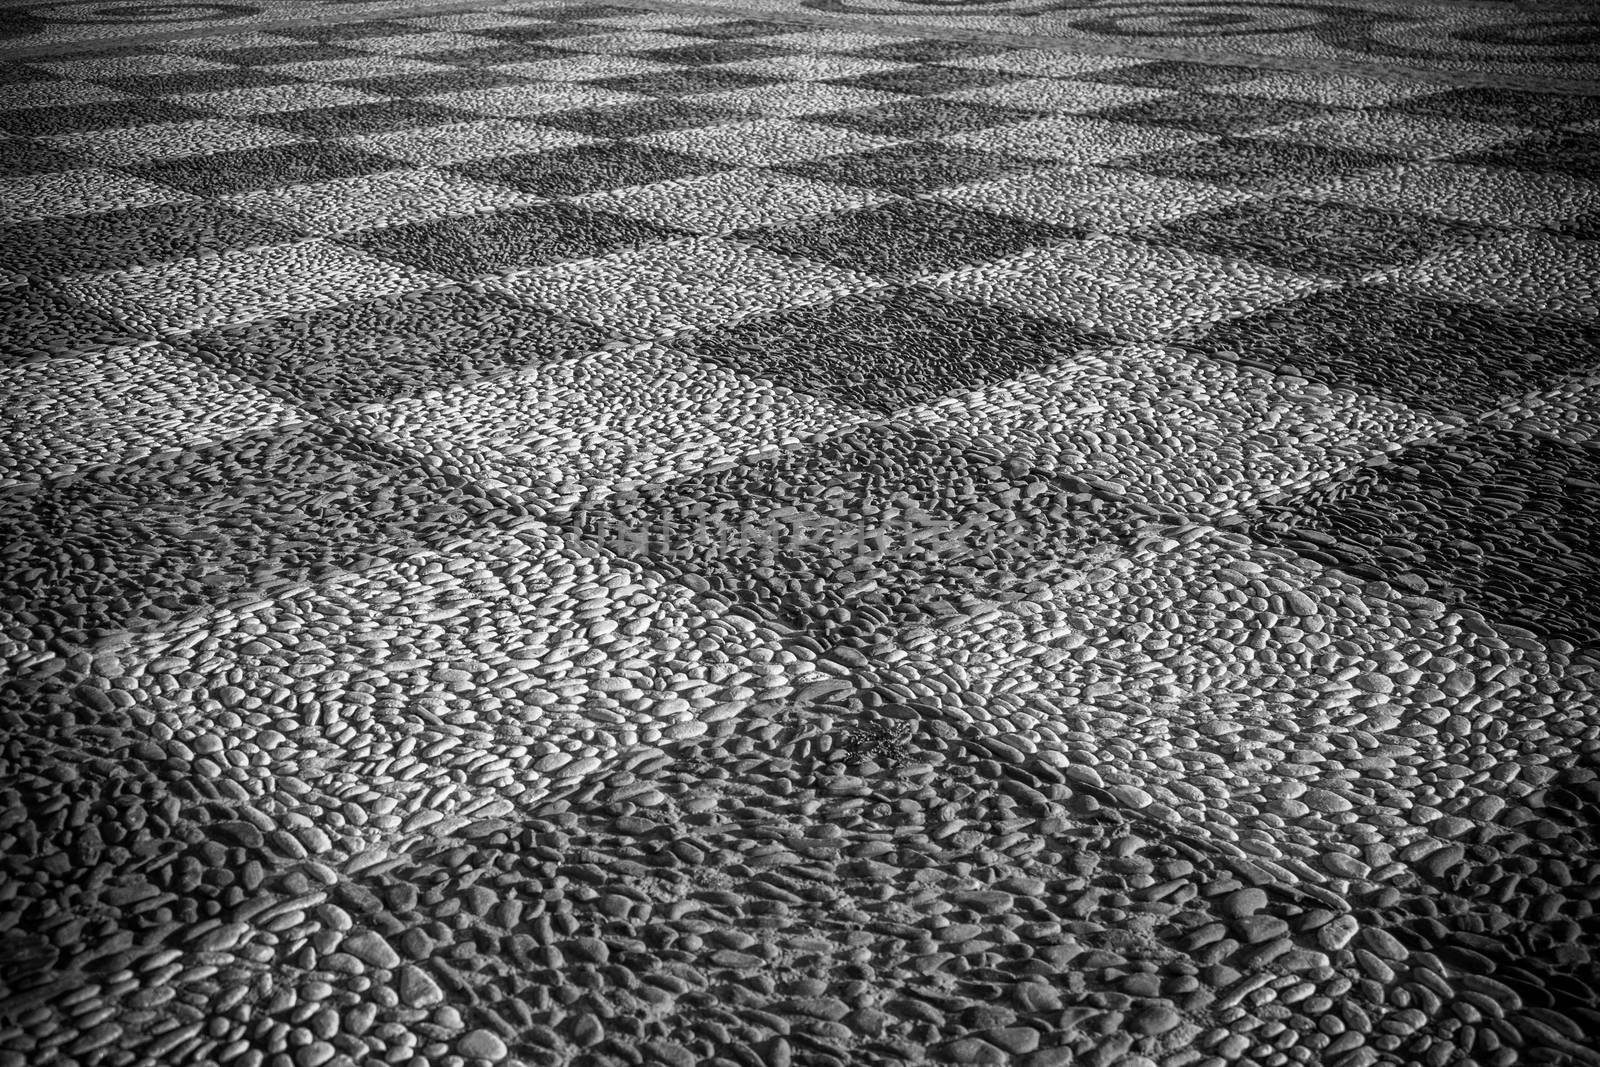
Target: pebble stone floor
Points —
{"points": [[573, 534]]}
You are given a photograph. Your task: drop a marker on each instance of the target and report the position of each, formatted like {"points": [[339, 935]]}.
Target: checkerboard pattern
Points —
{"points": [[308, 323], [901, 232]]}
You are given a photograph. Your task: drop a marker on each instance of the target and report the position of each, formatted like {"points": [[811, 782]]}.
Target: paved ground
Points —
{"points": [[850, 533]]}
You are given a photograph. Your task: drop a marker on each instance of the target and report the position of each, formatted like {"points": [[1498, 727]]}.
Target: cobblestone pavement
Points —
{"points": [[842, 534]]}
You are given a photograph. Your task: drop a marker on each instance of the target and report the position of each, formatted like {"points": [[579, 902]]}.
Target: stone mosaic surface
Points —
{"points": [[1537, 38], [586, 534]]}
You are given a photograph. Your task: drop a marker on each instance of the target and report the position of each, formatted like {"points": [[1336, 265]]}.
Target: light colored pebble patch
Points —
{"points": [[641, 40], [57, 94], [1531, 272], [653, 20], [1041, 62], [462, 141], [593, 425], [800, 98], [415, 44], [333, 70], [129, 145], [1569, 412], [1100, 199], [689, 284], [1219, 680], [1133, 290], [732, 200], [1398, 135], [1176, 430], [812, 66], [1074, 139], [506, 664], [583, 68], [88, 191], [241, 286], [764, 142], [269, 99], [1034, 94], [513, 101], [1473, 194], [118, 406], [130, 66], [225, 42], [827, 40], [1333, 90], [371, 200], [469, 21]]}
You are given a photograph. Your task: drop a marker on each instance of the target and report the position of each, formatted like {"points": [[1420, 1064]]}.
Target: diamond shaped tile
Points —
{"points": [[924, 79], [741, 28], [792, 99], [1057, 95], [224, 79], [529, 100], [465, 141], [275, 99], [238, 286], [887, 349], [925, 119], [912, 167], [244, 170], [40, 321], [1366, 338], [21, 157], [1564, 152], [822, 537], [590, 168], [622, 121], [685, 81], [1172, 74], [764, 142], [1178, 432], [731, 200], [132, 145], [145, 544], [392, 198], [355, 120], [383, 348], [439, 80], [679, 285], [134, 236], [1400, 136], [907, 238], [119, 406], [86, 191], [1498, 521], [1493, 195], [1255, 163], [483, 245], [1533, 273], [1328, 90], [1074, 139], [1311, 237], [1207, 113], [80, 118], [1090, 198], [712, 52], [568, 431], [1125, 288], [1500, 106]]}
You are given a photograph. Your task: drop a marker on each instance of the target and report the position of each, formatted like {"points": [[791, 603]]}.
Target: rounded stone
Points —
{"points": [[482, 1045]]}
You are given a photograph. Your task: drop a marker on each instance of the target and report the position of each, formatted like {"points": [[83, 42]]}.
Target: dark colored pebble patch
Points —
{"points": [[383, 349]]}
